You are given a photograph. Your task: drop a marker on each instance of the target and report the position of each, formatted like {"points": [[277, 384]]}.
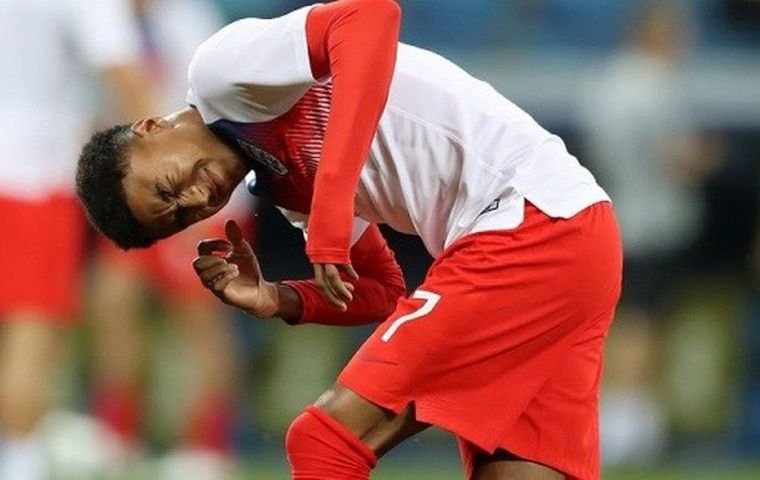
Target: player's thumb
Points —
{"points": [[235, 236]]}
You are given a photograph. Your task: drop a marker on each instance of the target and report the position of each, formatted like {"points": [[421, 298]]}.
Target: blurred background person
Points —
{"points": [[48, 51], [125, 285], [649, 155]]}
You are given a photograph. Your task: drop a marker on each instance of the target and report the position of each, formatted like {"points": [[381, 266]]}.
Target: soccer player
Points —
{"points": [[344, 127]]}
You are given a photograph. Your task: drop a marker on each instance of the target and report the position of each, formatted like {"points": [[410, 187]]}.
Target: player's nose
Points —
{"points": [[194, 196]]}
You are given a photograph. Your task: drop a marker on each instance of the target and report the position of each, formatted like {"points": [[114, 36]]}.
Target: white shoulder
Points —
{"points": [[210, 72], [249, 59]]}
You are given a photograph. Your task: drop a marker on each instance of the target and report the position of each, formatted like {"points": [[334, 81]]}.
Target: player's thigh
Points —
{"points": [[379, 428], [500, 466], [29, 344]]}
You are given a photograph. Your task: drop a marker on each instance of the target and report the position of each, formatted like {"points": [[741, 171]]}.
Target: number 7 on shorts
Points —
{"points": [[431, 299]]}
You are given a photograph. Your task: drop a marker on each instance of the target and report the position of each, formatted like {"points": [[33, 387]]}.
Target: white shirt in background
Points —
{"points": [[48, 51]]}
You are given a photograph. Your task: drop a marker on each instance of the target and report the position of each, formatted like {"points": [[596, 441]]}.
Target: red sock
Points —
{"points": [[320, 448], [210, 424], [118, 407]]}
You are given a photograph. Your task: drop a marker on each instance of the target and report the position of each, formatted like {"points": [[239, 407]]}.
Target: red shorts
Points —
{"points": [[502, 343], [40, 252], [168, 263]]}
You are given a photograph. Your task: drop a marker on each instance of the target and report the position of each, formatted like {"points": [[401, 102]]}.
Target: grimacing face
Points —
{"points": [[179, 173]]}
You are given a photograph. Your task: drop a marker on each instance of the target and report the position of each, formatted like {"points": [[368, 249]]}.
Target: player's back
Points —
{"points": [[449, 145]]}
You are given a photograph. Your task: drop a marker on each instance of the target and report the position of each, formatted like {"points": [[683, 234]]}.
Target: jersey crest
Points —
{"points": [[262, 157], [284, 152]]}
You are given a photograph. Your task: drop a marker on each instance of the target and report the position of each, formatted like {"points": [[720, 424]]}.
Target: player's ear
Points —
{"points": [[149, 125]]}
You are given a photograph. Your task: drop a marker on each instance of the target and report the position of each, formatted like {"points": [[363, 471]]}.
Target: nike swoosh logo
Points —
{"points": [[373, 359]]}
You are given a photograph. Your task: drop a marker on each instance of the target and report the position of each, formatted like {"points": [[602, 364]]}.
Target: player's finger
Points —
{"points": [[333, 299], [326, 288], [206, 261], [220, 283], [208, 275], [349, 270], [338, 286], [214, 245], [235, 236]]}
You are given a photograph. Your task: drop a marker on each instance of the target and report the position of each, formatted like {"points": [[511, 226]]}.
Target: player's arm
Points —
{"points": [[229, 269], [379, 285], [355, 43]]}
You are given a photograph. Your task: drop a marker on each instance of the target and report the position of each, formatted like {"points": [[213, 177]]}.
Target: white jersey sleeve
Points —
{"points": [[252, 70]]}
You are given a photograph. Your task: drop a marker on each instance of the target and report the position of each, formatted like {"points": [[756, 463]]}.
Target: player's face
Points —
{"points": [[179, 174]]}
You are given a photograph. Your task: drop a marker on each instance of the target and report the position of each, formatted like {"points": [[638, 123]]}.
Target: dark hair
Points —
{"points": [[102, 166]]}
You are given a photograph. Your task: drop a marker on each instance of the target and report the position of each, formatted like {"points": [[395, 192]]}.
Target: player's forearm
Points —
{"points": [[355, 41], [290, 306], [374, 300], [379, 286], [301, 302]]}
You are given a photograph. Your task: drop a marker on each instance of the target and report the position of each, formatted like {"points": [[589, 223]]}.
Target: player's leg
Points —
{"points": [[477, 347], [315, 450], [28, 354], [117, 298], [208, 352], [378, 428], [205, 328], [40, 251], [481, 465], [502, 465], [342, 435], [381, 430]]}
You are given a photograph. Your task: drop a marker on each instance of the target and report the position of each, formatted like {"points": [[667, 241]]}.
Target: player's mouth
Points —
{"points": [[216, 187]]}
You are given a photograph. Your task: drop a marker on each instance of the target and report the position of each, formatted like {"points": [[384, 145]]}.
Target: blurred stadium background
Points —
{"points": [[662, 101]]}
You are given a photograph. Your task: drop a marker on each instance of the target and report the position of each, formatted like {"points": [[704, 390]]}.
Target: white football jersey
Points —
{"points": [[451, 156]]}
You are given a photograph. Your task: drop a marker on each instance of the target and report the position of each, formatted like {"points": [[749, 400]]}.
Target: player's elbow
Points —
{"points": [[384, 12], [390, 11], [397, 287]]}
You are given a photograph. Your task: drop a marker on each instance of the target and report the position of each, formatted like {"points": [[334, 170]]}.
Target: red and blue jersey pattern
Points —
{"points": [[284, 152]]}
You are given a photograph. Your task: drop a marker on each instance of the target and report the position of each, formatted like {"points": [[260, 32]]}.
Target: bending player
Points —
{"points": [[344, 127]]}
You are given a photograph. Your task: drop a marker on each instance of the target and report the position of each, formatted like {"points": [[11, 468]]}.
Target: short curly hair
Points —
{"points": [[102, 166]]}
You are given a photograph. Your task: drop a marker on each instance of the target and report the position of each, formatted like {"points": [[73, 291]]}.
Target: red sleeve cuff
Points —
{"points": [[302, 292], [336, 256]]}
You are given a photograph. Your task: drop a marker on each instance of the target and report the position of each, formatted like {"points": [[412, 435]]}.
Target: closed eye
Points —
{"points": [[164, 193]]}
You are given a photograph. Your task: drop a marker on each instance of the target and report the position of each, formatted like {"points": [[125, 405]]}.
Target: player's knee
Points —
{"points": [[297, 435], [320, 447]]}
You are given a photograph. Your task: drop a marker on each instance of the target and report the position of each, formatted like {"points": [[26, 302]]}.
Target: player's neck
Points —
{"points": [[188, 115]]}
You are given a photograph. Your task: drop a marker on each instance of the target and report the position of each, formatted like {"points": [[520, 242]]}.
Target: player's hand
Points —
{"points": [[230, 270], [334, 289]]}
